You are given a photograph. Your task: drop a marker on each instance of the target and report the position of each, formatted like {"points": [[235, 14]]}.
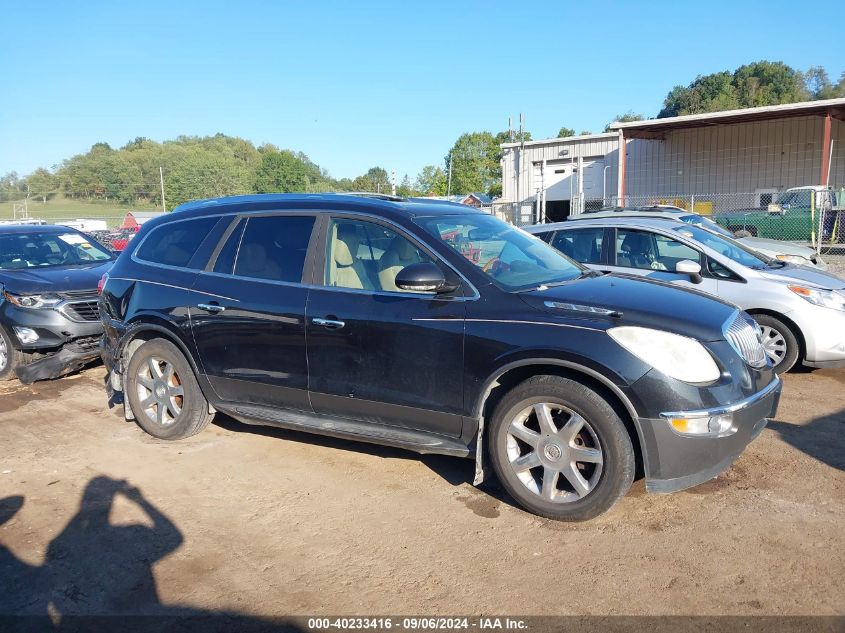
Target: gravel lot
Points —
{"points": [[259, 521]]}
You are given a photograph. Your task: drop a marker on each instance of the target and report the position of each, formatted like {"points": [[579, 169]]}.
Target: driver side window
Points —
{"points": [[367, 256], [652, 251]]}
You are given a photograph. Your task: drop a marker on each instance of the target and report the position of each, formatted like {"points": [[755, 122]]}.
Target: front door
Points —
{"points": [[377, 353], [248, 313], [654, 256]]}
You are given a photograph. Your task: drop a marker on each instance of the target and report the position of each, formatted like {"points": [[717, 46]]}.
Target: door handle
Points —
{"points": [[328, 323], [211, 307]]}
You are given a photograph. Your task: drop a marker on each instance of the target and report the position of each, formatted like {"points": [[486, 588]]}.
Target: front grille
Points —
{"points": [[82, 311], [743, 333], [70, 295]]}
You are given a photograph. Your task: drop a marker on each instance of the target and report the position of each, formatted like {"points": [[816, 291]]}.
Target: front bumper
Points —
{"points": [[70, 357], [674, 461]]}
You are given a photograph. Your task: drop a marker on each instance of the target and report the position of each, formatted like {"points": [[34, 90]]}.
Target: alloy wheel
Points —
{"points": [[554, 452], [160, 391], [773, 343]]}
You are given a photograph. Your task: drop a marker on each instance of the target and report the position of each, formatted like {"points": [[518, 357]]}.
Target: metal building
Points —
{"points": [[710, 162]]}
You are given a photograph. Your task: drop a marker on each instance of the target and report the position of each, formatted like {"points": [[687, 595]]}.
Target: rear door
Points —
{"points": [[377, 353], [248, 311]]}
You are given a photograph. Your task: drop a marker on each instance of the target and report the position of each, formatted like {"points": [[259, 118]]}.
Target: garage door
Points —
{"points": [[593, 180], [557, 181]]}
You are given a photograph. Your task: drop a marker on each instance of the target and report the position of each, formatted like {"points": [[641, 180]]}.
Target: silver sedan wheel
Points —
{"points": [[554, 452], [160, 391], [773, 343], [4, 354]]}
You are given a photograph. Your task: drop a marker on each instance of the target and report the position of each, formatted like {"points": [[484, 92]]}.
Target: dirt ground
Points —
{"points": [[264, 522]]}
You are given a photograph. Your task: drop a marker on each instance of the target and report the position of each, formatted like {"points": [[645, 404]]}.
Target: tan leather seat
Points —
{"points": [[399, 254], [253, 262], [345, 269]]}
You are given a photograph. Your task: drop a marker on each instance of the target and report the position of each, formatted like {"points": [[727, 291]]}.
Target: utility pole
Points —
{"points": [[161, 180], [449, 182]]}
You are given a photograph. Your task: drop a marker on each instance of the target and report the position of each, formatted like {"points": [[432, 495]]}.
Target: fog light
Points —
{"points": [[715, 425], [26, 335]]}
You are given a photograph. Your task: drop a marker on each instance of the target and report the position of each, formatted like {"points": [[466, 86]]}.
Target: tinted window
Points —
{"points": [[641, 249], [367, 256], [726, 246], [226, 257], [175, 243], [583, 245], [545, 235], [274, 247]]}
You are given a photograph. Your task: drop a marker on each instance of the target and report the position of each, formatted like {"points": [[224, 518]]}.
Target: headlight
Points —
{"points": [[32, 301], [794, 259], [824, 298], [677, 356]]}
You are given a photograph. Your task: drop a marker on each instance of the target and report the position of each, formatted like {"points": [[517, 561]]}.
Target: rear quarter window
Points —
{"points": [[175, 243]]}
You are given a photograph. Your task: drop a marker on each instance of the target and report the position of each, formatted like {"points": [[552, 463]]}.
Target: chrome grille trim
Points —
{"points": [[81, 311], [743, 333]]}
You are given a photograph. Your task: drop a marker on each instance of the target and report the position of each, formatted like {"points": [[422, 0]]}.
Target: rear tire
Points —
{"points": [[779, 341], [560, 449], [10, 358], [163, 392]]}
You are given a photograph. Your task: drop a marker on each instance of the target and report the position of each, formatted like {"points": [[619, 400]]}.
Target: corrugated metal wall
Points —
{"points": [[738, 158], [600, 146]]}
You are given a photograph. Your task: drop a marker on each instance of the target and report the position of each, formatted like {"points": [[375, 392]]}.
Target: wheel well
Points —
{"points": [[802, 345], [517, 375]]}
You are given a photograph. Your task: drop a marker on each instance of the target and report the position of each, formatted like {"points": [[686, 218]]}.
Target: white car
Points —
{"points": [[773, 249], [800, 309]]}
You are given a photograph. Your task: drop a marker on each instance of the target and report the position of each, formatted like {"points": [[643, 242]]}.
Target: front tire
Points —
{"points": [[10, 358], [560, 450], [163, 392], [779, 341]]}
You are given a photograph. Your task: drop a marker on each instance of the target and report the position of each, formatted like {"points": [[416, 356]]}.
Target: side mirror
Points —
{"points": [[691, 268], [423, 277]]}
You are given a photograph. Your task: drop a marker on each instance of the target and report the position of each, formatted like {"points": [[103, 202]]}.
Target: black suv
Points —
{"points": [[437, 328], [49, 323]]}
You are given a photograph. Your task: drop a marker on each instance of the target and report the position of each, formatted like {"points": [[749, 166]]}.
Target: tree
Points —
{"points": [[565, 132], [760, 83], [280, 172], [431, 181], [475, 162], [584, 133], [817, 84], [376, 180], [406, 188], [41, 184], [624, 118]]}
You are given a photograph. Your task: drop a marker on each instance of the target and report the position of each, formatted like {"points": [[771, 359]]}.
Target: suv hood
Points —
{"points": [[792, 274], [54, 278], [646, 303]]}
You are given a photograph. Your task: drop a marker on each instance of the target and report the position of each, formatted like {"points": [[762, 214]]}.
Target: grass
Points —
{"points": [[59, 208]]}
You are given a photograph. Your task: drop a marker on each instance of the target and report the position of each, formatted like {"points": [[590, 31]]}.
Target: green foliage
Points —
{"points": [[280, 172], [625, 118], [376, 180], [406, 188], [431, 181], [757, 84], [565, 132], [475, 162]]}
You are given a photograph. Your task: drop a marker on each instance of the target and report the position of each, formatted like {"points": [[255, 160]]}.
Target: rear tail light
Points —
{"points": [[101, 284]]}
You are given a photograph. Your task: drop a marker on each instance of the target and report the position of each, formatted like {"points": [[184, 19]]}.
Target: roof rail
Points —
{"points": [[370, 194]]}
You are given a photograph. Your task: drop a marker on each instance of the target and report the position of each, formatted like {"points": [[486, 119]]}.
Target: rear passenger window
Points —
{"points": [[582, 245], [274, 247], [226, 258], [175, 243]]}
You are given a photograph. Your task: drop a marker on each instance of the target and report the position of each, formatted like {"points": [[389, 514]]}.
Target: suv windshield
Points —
{"points": [[726, 246], [510, 257], [41, 249]]}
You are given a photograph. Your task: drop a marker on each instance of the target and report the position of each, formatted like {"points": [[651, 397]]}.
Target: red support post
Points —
{"points": [[825, 151]]}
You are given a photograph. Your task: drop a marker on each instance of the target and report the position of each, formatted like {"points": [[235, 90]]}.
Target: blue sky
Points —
{"points": [[357, 84]]}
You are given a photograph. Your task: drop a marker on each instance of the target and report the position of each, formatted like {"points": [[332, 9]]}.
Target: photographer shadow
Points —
{"points": [[93, 571]]}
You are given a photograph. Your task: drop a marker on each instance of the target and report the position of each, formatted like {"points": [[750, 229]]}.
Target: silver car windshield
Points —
{"points": [[510, 257], [726, 246]]}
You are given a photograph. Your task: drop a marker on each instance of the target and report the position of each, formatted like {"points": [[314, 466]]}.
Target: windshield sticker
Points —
{"points": [[72, 238]]}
